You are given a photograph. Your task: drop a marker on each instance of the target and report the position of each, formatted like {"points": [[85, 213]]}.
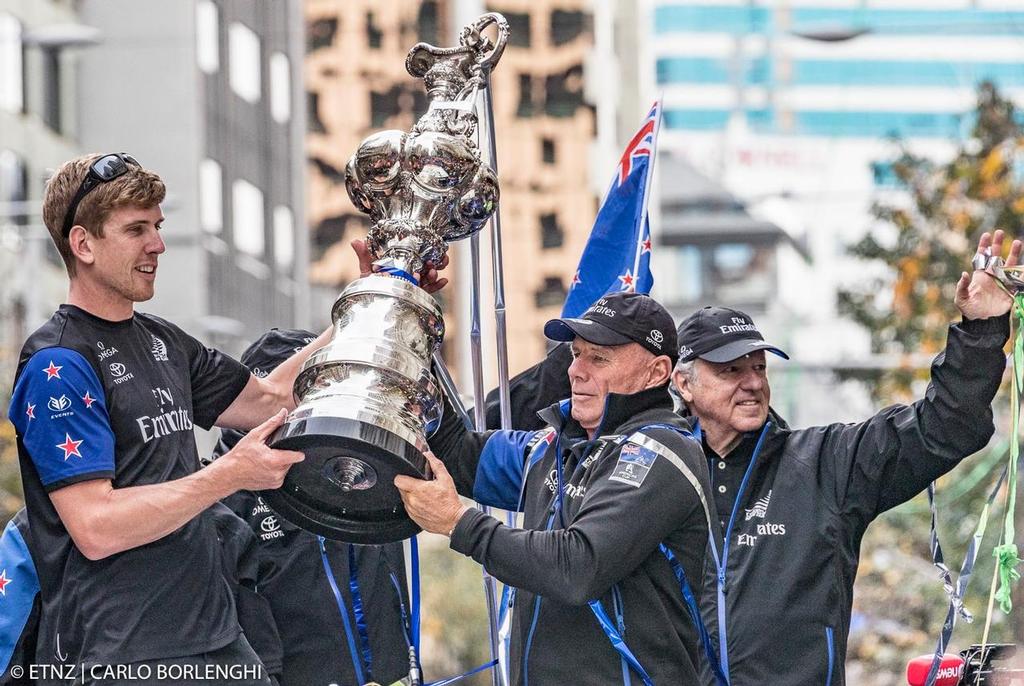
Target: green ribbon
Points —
{"points": [[1006, 555]]}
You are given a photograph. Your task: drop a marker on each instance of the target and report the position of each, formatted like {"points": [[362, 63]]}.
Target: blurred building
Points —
{"points": [[357, 84], [208, 94], [40, 43], [787, 107]]}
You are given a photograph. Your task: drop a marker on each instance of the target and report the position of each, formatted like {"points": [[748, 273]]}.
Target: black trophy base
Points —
{"points": [[344, 489]]}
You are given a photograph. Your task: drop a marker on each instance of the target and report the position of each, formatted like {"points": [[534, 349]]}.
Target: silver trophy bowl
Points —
{"points": [[366, 402]]}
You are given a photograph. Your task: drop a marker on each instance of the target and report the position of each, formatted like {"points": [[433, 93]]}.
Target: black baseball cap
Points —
{"points": [[263, 357], [618, 319], [720, 334], [273, 348]]}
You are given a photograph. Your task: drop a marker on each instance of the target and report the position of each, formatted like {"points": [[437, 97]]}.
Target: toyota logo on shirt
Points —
{"points": [[117, 369]]}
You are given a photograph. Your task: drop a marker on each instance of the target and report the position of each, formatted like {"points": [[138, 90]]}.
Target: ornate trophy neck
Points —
{"points": [[429, 186]]}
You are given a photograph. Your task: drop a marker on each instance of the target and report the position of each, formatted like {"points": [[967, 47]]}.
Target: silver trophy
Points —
{"points": [[367, 400]]}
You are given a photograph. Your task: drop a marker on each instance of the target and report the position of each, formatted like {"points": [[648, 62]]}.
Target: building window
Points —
{"points": [[328, 170], [427, 22], [320, 34], [518, 29], [564, 92], [551, 234], [313, 121], [280, 87], [211, 196], [207, 37], [284, 238], [14, 186], [547, 150], [400, 99], [566, 26], [552, 293], [525, 107], [374, 36], [12, 88], [247, 217], [52, 77], [244, 62], [733, 274]]}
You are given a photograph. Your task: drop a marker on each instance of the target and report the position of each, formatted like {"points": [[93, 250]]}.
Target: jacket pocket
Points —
{"points": [[830, 645]]}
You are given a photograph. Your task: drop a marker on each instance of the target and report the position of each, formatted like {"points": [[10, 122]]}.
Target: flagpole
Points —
{"points": [[647, 192]]}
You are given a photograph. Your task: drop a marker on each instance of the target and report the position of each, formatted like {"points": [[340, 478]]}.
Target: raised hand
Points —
{"points": [[979, 295]]}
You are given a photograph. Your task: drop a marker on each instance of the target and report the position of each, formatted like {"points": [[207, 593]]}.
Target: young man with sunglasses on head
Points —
{"points": [[104, 404]]}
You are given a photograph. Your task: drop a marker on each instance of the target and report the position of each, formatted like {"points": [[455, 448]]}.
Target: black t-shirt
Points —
{"points": [[95, 399], [727, 475]]}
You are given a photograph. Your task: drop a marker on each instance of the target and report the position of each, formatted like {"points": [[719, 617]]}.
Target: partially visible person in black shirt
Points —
{"points": [[316, 642]]}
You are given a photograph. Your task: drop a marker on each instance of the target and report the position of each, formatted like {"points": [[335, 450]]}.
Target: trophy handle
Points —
{"points": [[488, 52]]}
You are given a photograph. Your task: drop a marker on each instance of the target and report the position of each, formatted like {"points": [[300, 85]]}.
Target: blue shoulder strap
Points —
{"points": [[614, 634]]}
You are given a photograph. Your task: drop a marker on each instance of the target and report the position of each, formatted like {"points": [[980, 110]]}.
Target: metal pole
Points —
{"points": [[497, 267], [479, 416], [448, 384]]}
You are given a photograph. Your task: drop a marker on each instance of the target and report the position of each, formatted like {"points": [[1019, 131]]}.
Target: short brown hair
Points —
{"points": [[137, 188]]}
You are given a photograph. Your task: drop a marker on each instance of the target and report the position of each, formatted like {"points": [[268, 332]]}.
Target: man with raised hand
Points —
{"points": [[793, 504]]}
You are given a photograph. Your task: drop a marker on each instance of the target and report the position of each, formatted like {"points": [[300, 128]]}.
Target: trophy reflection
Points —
{"points": [[367, 400]]}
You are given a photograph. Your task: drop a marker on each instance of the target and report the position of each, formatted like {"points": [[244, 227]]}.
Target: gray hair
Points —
{"points": [[689, 372]]}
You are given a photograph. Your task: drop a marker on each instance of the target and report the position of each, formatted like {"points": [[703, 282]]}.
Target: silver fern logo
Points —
{"points": [[760, 508], [159, 349]]}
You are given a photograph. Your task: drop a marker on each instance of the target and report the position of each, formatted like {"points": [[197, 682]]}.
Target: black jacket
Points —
{"points": [[622, 499], [810, 494], [292, 580]]}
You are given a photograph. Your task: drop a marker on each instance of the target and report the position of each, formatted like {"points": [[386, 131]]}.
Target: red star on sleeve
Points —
{"points": [[53, 371], [69, 447]]}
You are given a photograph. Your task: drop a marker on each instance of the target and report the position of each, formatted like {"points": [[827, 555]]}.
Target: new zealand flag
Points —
{"points": [[617, 256]]}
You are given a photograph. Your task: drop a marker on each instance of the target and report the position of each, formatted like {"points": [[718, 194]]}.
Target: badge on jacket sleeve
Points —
{"points": [[634, 463]]}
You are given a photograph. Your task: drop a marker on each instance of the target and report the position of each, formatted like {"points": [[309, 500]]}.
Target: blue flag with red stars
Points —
{"points": [[617, 256]]}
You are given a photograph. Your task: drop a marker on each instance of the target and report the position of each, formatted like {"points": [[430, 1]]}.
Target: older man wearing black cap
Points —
{"points": [[793, 505], [615, 517]]}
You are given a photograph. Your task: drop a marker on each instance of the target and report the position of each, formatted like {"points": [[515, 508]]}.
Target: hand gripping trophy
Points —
{"points": [[367, 400]]}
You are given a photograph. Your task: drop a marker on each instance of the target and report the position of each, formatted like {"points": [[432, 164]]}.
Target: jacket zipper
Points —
{"points": [[831, 657], [723, 654], [557, 444]]}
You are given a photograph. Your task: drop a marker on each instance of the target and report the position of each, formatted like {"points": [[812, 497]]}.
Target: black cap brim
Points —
{"points": [[737, 349], [565, 330]]}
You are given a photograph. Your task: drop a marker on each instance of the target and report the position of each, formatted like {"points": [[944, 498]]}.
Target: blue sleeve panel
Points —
{"points": [[499, 474], [60, 411], [19, 586]]}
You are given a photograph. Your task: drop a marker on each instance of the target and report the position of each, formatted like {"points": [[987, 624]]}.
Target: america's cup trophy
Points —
{"points": [[367, 400]]}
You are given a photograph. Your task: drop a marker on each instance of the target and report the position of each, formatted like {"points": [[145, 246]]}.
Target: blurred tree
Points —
{"points": [[925, 235], [10, 475]]}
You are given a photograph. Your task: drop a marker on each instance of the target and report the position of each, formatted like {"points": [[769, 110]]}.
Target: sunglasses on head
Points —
{"points": [[104, 169]]}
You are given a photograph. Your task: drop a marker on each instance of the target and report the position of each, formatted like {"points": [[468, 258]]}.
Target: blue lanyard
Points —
{"points": [[343, 610], [357, 610], [615, 634], [720, 564]]}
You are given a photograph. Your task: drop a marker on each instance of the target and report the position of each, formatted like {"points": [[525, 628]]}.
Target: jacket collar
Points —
{"points": [[621, 412]]}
